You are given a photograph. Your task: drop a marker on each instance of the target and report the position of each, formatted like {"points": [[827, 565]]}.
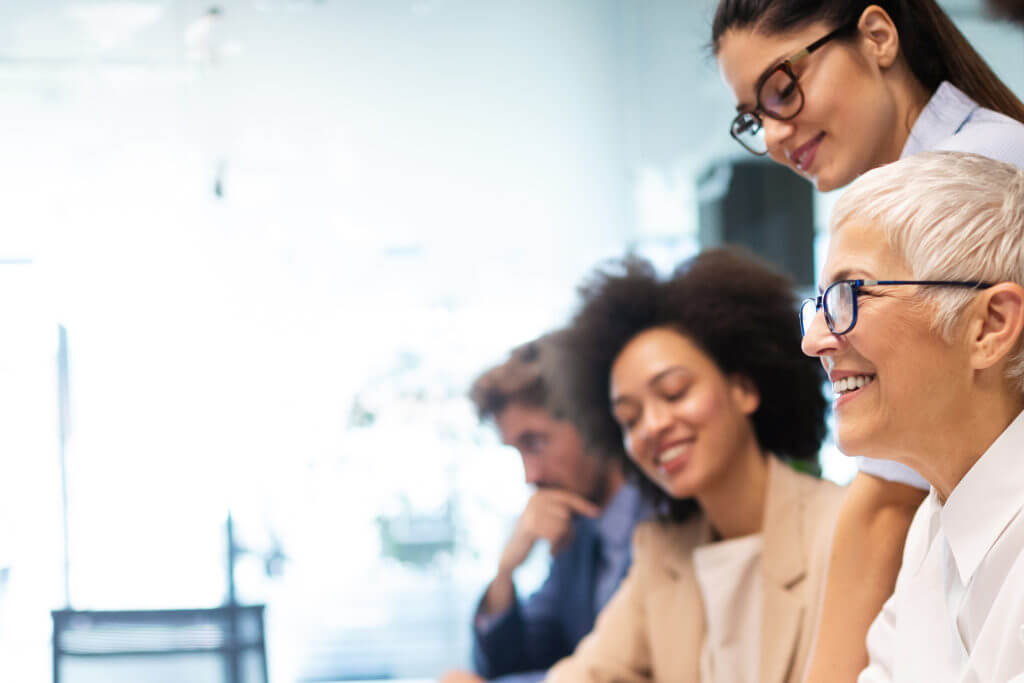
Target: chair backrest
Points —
{"points": [[220, 645]]}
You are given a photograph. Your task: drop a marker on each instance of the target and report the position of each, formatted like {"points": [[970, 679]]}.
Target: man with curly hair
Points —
{"points": [[582, 507]]}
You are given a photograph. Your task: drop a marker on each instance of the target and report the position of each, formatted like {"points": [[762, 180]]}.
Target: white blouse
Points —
{"points": [[957, 615], [729, 574]]}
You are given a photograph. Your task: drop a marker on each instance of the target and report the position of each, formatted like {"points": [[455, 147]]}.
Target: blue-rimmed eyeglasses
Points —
{"points": [[839, 301]]}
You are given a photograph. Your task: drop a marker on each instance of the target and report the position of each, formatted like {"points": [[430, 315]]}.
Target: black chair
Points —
{"points": [[219, 645]]}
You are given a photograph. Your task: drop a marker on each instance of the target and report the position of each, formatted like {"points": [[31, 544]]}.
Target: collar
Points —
{"points": [[985, 501], [620, 515], [945, 114]]}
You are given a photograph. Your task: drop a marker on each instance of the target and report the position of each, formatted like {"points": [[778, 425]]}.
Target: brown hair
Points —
{"points": [[933, 46], [527, 377]]}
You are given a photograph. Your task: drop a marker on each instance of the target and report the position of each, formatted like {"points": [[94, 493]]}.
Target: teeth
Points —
{"points": [[848, 384], [671, 454]]}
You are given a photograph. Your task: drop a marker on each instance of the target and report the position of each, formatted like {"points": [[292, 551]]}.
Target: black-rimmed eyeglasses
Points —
{"points": [[839, 301], [779, 97]]}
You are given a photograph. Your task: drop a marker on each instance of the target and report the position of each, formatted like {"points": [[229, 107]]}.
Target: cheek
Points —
{"points": [[701, 408]]}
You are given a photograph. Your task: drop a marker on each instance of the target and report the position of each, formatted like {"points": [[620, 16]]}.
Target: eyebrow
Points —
{"points": [[845, 274], [524, 436], [762, 78]]}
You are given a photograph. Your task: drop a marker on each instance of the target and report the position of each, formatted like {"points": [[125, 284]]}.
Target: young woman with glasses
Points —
{"points": [[697, 380], [832, 90]]}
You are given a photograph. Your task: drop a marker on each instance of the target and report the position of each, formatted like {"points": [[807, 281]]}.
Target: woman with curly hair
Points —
{"points": [[698, 380]]}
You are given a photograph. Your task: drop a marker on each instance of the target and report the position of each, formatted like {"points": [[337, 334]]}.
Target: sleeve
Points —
{"points": [[528, 636], [881, 636], [882, 640], [890, 470], [617, 650], [524, 677]]}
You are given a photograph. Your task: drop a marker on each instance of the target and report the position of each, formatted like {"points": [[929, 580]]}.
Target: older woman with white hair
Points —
{"points": [[918, 326]]}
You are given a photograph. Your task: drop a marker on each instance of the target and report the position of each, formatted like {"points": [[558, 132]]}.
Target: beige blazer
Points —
{"points": [[653, 627]]}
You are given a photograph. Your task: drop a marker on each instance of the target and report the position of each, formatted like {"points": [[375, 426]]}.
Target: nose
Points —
{"points": [[819, 340], [776, 133], [656, 419], [533, 470]]}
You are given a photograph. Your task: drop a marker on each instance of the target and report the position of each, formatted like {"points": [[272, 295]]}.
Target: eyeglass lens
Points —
{"points": [[780, 97], [839, 307], [838, 302], [748, 130]]}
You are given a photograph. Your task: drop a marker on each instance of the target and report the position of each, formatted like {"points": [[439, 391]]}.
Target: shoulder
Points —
{"points": [[818, 501], [990, 134], [657, 538], [817, 495]]}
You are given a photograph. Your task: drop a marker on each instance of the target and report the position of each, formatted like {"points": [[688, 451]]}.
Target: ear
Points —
{"points": [[744, 394], [879, 36], [997, 319]]}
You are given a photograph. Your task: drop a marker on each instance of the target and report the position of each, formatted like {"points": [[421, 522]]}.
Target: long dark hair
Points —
{"points": [[738, 310], [933, 46]]}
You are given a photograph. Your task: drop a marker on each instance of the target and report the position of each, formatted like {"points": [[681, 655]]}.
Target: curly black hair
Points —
{"points": [[735, 308]]}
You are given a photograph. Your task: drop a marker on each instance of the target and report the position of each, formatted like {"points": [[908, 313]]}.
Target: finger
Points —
{"points": [[573, 501], [541, 514]]}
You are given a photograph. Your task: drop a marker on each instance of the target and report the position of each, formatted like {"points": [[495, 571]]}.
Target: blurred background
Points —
{"points": [[252, 253]]}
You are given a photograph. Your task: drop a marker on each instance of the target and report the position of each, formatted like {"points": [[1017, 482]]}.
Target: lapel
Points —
{"points": [[678, 616], [586, 572], [784, 565]]}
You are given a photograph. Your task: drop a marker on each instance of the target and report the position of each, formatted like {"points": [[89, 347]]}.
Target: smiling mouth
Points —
{"points": [[674, 458], [671, 454], [849, 385], [803, 157]]}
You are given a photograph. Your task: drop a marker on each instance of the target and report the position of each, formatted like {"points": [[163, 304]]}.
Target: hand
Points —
{"points": [[548, 515], [460, 677]]}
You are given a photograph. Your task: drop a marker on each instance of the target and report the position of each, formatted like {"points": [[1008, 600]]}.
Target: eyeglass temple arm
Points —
{"points": [[947, 283], [821, 41]]}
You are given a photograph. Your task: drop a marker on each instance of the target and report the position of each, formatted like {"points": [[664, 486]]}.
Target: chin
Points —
{"points": [[825, 183], [852, 443], [676, 488]]}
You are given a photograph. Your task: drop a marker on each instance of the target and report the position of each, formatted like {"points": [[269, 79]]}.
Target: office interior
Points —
{"points": [[253, 253]]}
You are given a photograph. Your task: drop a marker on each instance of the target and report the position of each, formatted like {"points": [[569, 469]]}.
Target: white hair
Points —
{"points": [[950, 216]]}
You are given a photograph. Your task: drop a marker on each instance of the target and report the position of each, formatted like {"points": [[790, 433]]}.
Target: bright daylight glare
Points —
{"points": [[252, 255]]}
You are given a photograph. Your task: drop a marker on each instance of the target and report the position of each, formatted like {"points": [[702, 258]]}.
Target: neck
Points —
{"points": [[910, 99], [944, 454], [734, 504]]}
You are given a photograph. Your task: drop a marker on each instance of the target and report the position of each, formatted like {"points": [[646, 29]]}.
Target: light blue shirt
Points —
{"points": [[953, 122], [615, 529]]}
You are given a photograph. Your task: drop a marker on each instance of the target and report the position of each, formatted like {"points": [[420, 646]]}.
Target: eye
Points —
{"points": [[626, 419], [533, 443], [675, 392]]}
